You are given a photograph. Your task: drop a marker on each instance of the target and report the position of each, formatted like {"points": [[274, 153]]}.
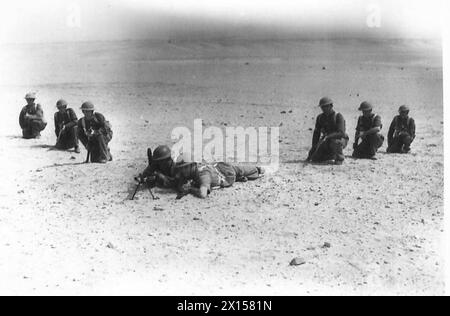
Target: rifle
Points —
{"points": [[149, 181], [89, 134], [60, 133], [314, 149]]}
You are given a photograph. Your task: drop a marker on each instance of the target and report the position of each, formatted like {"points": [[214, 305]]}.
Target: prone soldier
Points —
{"points": [[198, 179]]}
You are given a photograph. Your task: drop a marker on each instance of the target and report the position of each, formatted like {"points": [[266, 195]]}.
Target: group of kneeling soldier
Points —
{"points": [[330, 137], [329, 141], [93, 130]]}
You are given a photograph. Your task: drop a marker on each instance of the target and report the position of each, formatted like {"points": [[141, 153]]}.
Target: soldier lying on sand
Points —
{"points": [[197, 179]]}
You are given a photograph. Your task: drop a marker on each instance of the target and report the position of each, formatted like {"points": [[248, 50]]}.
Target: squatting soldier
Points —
{"points": [[402, 132], [95, 133], [329, 139], [368, 131], [31, 118], [66, 127], [202, 177]]}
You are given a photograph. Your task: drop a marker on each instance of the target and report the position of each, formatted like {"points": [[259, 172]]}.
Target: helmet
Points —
{"points": [[403, 108], [325, 101], [61, 104], [31, 95], [87, 106], [161, 153], [365, 106]]}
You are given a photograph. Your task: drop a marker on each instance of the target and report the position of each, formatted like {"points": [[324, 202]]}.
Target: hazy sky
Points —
{"points": [[81, 20]]}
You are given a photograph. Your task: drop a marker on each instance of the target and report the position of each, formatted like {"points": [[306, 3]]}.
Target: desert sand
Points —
{"points": [[67, 228]]}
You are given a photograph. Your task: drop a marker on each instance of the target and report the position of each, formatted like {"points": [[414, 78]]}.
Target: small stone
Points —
{"points": [[297, 262], [326, 245], [72, 158], [283, 112], [110, 246]]}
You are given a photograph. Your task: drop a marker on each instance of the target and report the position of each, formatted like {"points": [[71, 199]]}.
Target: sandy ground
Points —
{"points": [[66, 228]]}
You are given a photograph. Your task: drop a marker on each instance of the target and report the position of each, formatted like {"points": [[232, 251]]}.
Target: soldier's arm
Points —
{"points": [[57, 127], [317, 133], [201, 192], [377, 127], [22, 118], [412, 129], [73, 119], [39, 113], [391, 132], [358, 130], [82, 133], [101, 120]]}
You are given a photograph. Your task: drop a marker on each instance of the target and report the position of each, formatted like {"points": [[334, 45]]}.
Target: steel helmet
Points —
{"points": [[365, 106], [31, 95], [87, 106], [161, 153], [61, 104], [325, 101], [403, 108]]}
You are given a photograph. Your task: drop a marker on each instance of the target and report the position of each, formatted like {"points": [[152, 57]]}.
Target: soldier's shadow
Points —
{"points": [[14, 137], [306, 162], [44, 146], [52, 148]]}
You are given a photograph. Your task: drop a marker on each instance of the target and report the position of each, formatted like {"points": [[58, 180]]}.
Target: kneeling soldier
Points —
{"points": [[66, 127], [31, 118], [95, 133], [368, 130], [402, 132], [329, 139]]}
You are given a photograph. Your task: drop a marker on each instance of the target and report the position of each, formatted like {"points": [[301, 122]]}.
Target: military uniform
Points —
{"points": [[66, 129], [95, 135], [216, 175], [402, 133], [177, 175], [330, 149], [31, 120], [370, 143]]}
